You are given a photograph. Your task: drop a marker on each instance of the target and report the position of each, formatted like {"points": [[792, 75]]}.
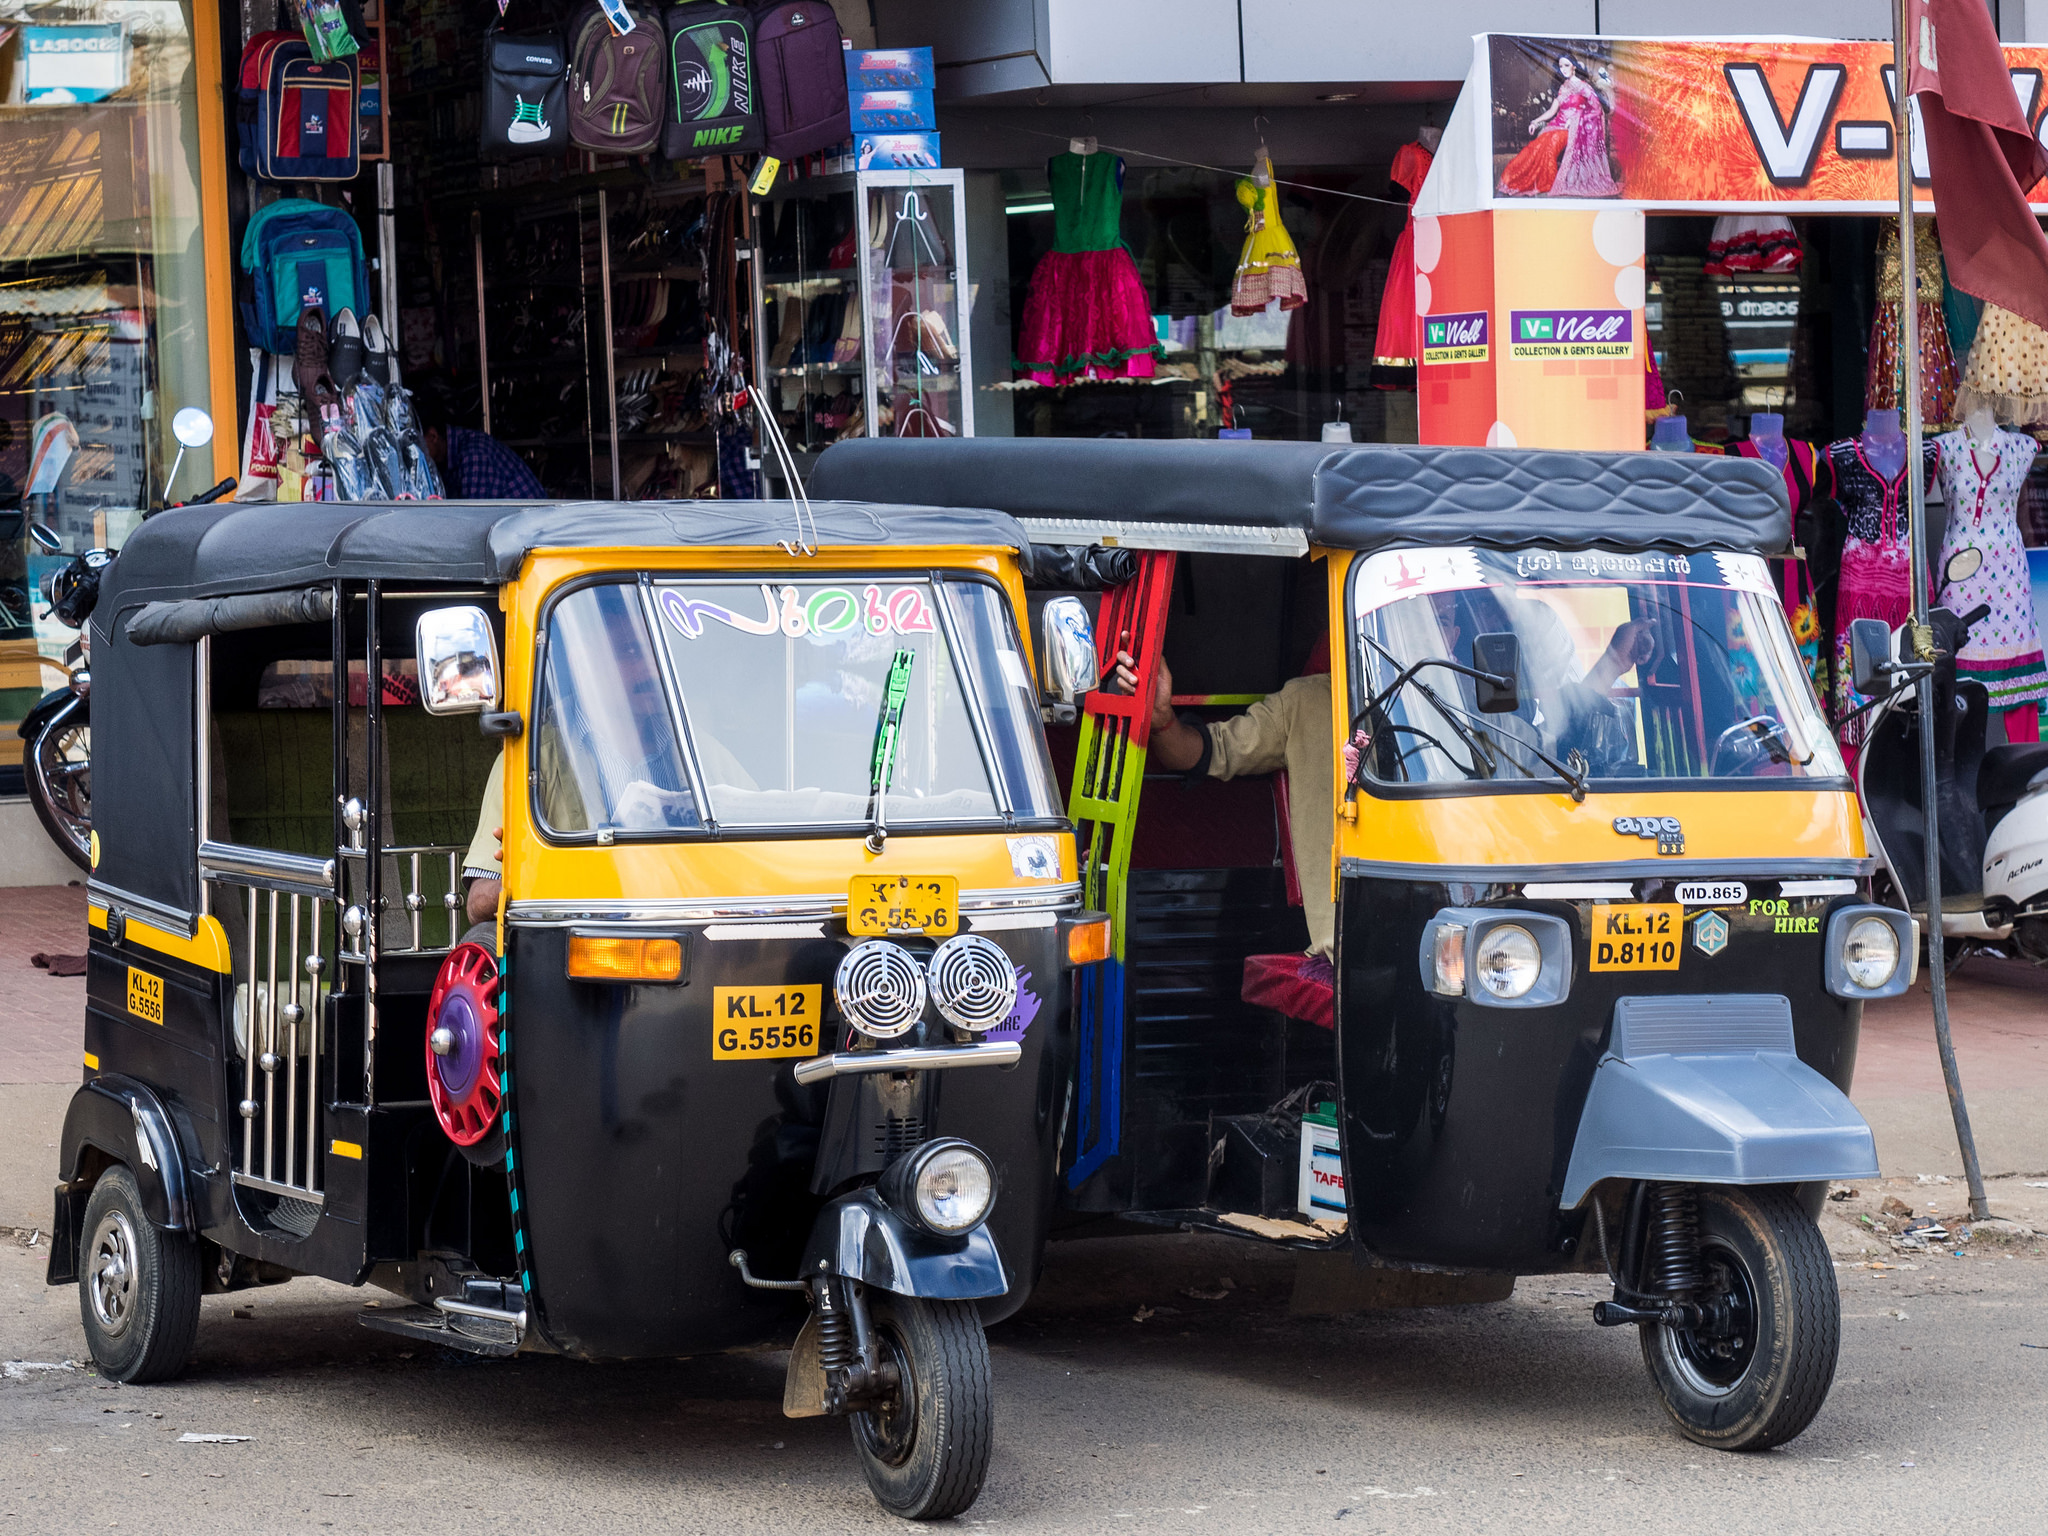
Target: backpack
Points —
{"points": [[618, 90], [300, 255], [525, 95], [250, 92], [305, 113], [711, 106], [800, 78]]}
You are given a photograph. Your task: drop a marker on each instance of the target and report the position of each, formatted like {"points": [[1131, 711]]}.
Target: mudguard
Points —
{"points": [[58, 701], [126, 1121], [1709, 1090], [859, 1237]]}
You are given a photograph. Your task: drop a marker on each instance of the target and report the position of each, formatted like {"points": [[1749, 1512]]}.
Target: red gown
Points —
{"points": [[1534, 167], [1399, 342]]}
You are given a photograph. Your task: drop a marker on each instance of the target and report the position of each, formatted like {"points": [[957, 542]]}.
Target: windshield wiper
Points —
{"points": [[888, 727]]}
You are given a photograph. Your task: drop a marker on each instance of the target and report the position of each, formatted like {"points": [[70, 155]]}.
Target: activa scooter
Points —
{"points": [[1992, 804]]}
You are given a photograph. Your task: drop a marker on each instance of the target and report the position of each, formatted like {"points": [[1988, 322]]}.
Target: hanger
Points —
{"points": [[1262, 162]]}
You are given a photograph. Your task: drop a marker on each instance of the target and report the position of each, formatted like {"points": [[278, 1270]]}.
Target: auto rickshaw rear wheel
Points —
{"points": [[1757, 1375], [926, 1450], [138, 1286]]}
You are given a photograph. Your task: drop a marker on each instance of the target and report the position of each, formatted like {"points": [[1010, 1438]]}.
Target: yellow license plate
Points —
{"points": [[752, 1023], [145, 996], [1637, 938], [883, 904]]}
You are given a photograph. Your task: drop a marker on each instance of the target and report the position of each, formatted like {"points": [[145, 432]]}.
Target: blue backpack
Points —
{"points": [[298, 113], [300, 255]]}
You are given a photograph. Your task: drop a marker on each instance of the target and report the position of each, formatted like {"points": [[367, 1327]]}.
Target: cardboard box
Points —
{"points": [[889, 69], [896, 151], [891, 111]]}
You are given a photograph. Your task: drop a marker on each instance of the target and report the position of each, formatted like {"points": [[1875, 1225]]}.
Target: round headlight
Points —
{"points": [[1509, 961], [1870, 953], [954, 1189]]}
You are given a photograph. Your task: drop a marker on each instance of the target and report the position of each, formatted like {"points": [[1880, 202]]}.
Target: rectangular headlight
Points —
{"points": [[1496, 957], [1871, 952]]}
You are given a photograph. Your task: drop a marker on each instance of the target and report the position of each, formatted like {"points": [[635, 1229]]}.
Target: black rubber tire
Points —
{"points": [[60, 828], [152, 1319], [930, 1467], [1798, 1325]]}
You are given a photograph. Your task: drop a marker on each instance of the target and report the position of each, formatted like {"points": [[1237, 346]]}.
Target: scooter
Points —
{"points": [[57, 760], [1992, 804]]}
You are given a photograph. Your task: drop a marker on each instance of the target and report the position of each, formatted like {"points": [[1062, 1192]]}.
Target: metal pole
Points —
{"points": [[1922, 635]]}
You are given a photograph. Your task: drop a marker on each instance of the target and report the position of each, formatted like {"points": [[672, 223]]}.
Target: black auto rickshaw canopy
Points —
{"points": [[1194, 494]]}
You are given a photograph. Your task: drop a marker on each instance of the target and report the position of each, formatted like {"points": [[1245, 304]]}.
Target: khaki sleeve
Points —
{"points": [[485, 847], [1255, 741]]}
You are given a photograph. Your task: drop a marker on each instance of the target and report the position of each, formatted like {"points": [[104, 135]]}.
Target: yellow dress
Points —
{"points": [[2008, 369], [1269, 267]]}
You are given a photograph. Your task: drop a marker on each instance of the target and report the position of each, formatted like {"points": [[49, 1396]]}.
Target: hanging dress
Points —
{"points": [[1398, 343], [1981, 483], [2008, 369], [1086, 316], [1268, 267], [1883, 388], [1876, 573], [1808, 478]]}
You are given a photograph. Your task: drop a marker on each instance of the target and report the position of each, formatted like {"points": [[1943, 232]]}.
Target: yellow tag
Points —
{"points": [[145, 996], [345, 1149], [1637, 937], [883, 904], [764, 176], [749, 1023]]}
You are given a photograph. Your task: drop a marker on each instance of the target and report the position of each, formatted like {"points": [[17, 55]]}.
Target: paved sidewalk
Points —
{"points": [[42, 1017]]}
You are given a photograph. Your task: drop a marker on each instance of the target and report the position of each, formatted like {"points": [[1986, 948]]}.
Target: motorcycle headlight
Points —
{"points": [[1870, 953], [1508, 961], [946, 1186]]}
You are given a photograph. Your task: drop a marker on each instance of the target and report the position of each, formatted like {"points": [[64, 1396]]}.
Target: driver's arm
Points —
{"points": [[1176, 746], [481, 866]]}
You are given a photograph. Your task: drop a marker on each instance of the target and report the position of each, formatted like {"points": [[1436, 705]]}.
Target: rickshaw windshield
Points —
{"points": [[803, 703], [1631, 666]]}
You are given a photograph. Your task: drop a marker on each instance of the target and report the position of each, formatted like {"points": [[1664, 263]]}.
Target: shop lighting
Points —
{"points": [[1016, 208]]}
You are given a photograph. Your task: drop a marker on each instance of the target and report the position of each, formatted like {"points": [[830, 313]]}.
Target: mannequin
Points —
{"points": [[1876, 574], [1809, 478], [1982, 470], [1884, 442], [1670, 435], [1767, 431]]}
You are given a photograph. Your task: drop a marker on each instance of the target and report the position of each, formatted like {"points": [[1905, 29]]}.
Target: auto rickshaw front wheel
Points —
{"points": [[925, 1451], [138, 1287], [1758, 1377]]}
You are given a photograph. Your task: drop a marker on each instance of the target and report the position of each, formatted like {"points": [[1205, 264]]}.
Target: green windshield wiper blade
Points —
{"points": [[888, 728]]}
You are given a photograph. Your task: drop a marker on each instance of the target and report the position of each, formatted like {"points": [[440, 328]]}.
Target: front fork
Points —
{"points": [[1658, 1278], [857, 1377]]}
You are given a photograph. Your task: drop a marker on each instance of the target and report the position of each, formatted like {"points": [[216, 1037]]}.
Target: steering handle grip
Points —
{"points": [[212, 493]]}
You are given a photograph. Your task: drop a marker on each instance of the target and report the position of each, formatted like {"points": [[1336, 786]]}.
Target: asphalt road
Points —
{"points": [[1208, 1415]]}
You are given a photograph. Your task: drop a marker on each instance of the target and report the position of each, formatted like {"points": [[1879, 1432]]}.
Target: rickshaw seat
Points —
{"points": [[1300, 986]]}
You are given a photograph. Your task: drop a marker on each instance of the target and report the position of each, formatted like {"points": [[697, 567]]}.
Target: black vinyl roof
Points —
{"points": [[214, 550], [1361, 496]]}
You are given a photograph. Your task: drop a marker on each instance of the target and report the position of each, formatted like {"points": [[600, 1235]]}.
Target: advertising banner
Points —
{"points": [[1721, 124]]}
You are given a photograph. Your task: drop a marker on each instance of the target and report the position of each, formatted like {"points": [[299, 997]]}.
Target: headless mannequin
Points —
{"points": [[1980, 426], [1767, 431], [1670, 435], [2023, 721], [1884, 443]]}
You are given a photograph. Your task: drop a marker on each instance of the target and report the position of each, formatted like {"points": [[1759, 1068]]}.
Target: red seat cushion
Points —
{"points": [[1300, 986]]}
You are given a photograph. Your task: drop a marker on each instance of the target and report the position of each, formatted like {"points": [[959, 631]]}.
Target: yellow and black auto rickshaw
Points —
{"points": [[1588, 926], [771, 1010]]}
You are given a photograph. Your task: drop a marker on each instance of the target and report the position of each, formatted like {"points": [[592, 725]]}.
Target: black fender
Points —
{"points": [[57, 704], [124, 1122], [859, 1237]]}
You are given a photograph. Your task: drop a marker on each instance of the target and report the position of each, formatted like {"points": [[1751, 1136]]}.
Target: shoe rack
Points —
{"points": [[862, 294]]}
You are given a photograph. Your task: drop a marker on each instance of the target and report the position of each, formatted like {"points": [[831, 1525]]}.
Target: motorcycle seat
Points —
{"points": [[2007, 770]]}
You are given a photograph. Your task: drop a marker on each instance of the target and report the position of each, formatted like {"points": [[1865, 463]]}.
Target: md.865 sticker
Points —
{"points": [[753, 1023]]}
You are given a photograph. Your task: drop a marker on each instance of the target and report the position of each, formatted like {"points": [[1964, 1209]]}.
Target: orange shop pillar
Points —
{"points": [[1454, 301]]}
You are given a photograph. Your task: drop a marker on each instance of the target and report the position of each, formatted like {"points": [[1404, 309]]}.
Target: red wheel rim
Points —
{"points": [[463, 1080]]}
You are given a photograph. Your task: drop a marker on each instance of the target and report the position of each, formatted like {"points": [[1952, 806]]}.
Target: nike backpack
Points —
{"points": [[618, 91], [711, 108], [800, 78], [525, 95], [298, 255]]}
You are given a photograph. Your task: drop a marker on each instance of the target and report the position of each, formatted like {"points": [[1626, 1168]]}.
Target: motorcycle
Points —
{"points": [[1992, 803], [57, 760]]}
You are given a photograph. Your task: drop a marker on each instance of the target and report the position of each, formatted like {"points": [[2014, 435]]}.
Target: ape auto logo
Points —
{"points": [[1670, 836]]}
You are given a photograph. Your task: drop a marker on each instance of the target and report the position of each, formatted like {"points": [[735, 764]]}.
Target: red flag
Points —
{"points": [[1980, 155]]}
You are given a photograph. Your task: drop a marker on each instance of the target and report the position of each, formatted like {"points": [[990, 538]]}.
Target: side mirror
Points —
{"points": [[1870, 654], [1963, 564], [1500, 654], [1071, 665], [458, 661], [47, 541]]}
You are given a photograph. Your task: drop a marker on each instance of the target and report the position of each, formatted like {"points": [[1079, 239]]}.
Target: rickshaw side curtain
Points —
{"points": [[144, 809], [181, 623]]}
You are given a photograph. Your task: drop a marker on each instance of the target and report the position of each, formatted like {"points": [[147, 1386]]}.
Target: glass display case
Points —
{"points": [[864, 297]]}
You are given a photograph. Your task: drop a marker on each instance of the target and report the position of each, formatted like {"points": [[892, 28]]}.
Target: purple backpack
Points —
{"points": [[618, 85], [800, 78]]}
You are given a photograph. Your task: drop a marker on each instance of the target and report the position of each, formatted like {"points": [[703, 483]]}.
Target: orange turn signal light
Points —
{"points": [[1087, 938], [596, 958]]}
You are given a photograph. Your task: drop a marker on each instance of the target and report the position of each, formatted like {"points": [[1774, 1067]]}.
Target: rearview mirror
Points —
{"points": [[1963, 564], [1501, 655], [1071, 666], [45, 539], [458, 661], [1870, 654]]}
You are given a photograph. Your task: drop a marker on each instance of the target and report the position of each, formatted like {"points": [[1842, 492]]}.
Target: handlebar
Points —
{"points": [[212, 493], [1969, 620]]}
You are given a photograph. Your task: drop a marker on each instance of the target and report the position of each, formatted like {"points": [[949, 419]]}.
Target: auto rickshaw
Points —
{"points": [[767, 1035], [1601, 920]]}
